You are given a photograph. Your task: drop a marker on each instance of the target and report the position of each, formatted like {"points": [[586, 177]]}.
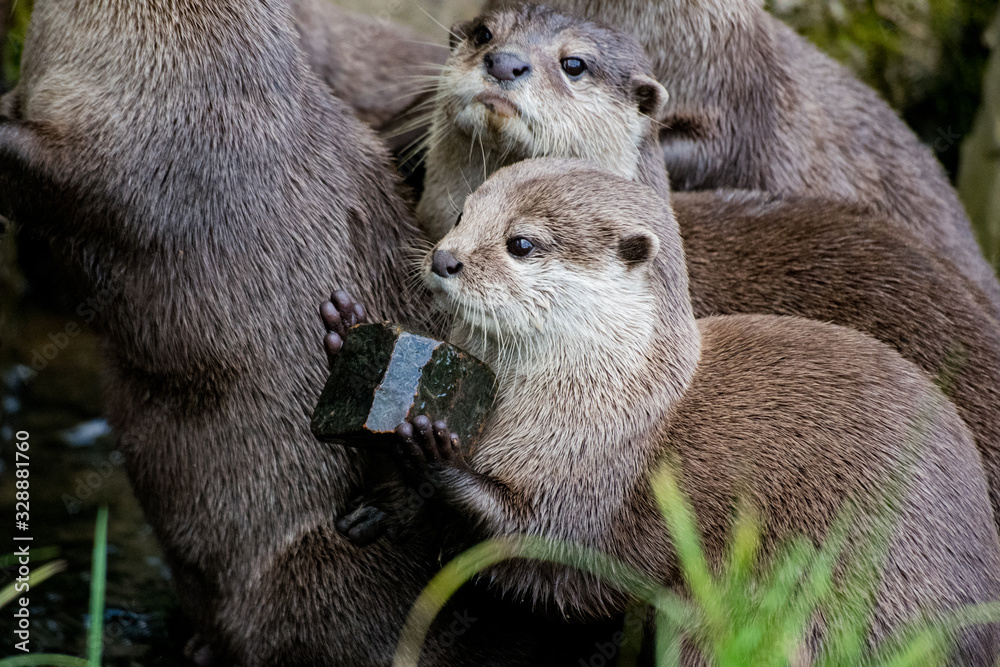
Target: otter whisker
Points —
{"points": [[426, 43], [454, 207], [482, 149], [406, 129], [447, 30], [472, 144], [466, 179], [422, 77], [415, 119], [415, 146]]}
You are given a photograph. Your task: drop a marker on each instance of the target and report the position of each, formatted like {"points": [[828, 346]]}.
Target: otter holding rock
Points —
{"points": [[753, 105], [555, 279], [747, 252]]}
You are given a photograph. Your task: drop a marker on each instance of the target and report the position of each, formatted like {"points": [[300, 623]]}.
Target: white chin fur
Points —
{"points": [[508, 135]]}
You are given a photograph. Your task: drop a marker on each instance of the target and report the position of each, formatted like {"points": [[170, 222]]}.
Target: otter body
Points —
{"points": [[755, 106], [747, 252], [750, 252], [183, 160], [550, 278]]}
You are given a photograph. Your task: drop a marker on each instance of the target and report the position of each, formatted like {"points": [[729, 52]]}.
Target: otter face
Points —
{"points": [[529, 82], [536, 253]]}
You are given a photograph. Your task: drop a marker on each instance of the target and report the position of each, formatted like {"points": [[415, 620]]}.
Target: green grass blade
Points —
{"points": [[668, 641], [927, 649], [433, 598], [744, 549], [633, 627], [36, 577], [687, 544], [43, 660], [97, 583], [465, 566], [44, 553]]}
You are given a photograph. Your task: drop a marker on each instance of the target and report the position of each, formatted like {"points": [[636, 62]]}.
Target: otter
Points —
{"points": [[530, 82], [183, 159], [755, 106], [550, 278], [747, 251]]}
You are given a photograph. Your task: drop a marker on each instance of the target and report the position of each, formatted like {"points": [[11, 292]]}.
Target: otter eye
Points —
{"points": [[481, 35], [574, 67], [459, 219], [520, 246]]}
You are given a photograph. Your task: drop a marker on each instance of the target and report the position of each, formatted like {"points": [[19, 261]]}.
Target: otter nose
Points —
{"points": [[505, 66], [444, 264]]}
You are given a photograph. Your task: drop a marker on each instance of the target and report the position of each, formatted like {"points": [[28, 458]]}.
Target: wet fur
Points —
{"points": [[770, 112], [604, 373]]}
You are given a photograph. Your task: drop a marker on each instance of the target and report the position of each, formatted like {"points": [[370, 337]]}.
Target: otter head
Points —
{"points": [[549, 255], [529, 82]]}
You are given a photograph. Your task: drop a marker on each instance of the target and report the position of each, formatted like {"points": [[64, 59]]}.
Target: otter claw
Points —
{"points": [[339, 314], [422, 444]]}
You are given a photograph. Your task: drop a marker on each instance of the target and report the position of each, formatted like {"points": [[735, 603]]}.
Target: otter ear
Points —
{"points": [[649, 94], [638, 247], [458, 32]]}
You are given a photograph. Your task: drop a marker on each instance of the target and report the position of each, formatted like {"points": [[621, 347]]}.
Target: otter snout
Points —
{"points": [[505, 66], [444, 264]]}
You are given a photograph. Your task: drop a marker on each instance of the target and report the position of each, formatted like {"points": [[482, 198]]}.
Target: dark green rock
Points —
{"points": [[385, 375]]}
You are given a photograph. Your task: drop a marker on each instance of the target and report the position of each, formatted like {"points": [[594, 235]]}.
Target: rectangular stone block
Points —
{"points": [[386, 374]]}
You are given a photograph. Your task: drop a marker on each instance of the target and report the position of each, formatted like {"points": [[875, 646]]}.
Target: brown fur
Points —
{"points": [[184, 160], [375, 66], [756, 253], [802, 416], [768, 111], [751, 252]]}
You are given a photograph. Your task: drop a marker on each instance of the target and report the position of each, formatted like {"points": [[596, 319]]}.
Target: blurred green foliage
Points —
{"points": [[16, 25], [979, 177], [926, 57], [748, 609]]}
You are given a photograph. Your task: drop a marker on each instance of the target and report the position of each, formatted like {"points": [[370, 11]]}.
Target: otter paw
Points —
{"points": [[339, 314], [423, 446], [363, 525]]}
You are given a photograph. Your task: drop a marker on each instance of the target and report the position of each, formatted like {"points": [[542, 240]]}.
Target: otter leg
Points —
{"points": [[339, 314], [430, 454], [423, 445], [363, 525]]}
